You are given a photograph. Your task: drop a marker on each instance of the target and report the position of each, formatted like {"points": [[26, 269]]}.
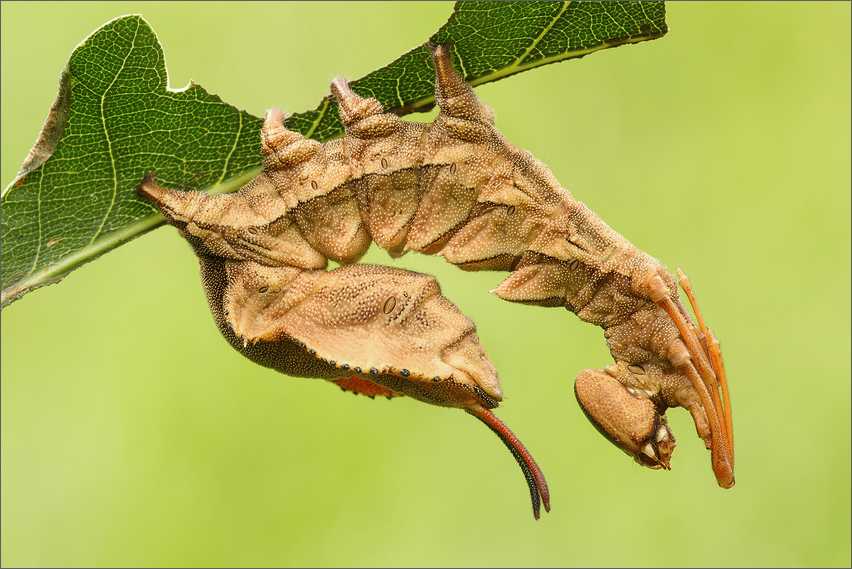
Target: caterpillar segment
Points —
{"points": [[457, 188]]}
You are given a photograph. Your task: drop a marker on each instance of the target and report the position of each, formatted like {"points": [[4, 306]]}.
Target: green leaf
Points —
{"points": [[494, 40], [115, 120]]}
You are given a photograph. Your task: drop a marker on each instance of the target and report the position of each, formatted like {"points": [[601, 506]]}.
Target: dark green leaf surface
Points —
{"points": [[494, 40], [115, 120]]}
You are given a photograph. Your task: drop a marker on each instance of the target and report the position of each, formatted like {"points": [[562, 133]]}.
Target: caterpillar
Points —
{"points": [[459, 189]]}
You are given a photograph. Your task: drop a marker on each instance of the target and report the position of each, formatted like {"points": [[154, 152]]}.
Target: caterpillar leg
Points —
{"points": [[701, 361], [360, 325], [713, 349]]}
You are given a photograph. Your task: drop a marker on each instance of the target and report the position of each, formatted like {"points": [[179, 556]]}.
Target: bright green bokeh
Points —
{"points": [[132, 435]]}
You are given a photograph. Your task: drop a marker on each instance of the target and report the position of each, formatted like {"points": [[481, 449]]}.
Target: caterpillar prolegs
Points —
{"points": [[457, 188]]}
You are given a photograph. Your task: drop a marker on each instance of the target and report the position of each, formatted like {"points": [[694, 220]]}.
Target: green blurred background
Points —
{"points": [[132, 435]]}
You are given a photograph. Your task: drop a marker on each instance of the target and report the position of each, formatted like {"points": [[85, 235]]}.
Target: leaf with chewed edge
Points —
{"points": [[113, 121]]}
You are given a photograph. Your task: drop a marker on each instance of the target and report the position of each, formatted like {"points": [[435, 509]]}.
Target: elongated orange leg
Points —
{"points": [[715, 352], [538, 485], [696, 366]]}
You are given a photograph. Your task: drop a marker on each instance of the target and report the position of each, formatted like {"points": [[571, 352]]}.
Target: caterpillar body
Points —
{"points": [[456, 188]]}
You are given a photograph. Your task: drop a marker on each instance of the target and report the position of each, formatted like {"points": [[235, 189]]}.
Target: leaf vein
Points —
{"points": [[107, 135], [233, 149]]}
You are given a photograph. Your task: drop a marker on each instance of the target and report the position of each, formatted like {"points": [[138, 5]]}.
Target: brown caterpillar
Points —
{"points": [[459, 189]]}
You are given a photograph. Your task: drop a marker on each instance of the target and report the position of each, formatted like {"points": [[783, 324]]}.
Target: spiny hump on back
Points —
{"points": [[282, 147]]}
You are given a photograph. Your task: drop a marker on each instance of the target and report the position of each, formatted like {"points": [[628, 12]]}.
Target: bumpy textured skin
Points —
{"points": [[458, 188], [373, 313]]}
